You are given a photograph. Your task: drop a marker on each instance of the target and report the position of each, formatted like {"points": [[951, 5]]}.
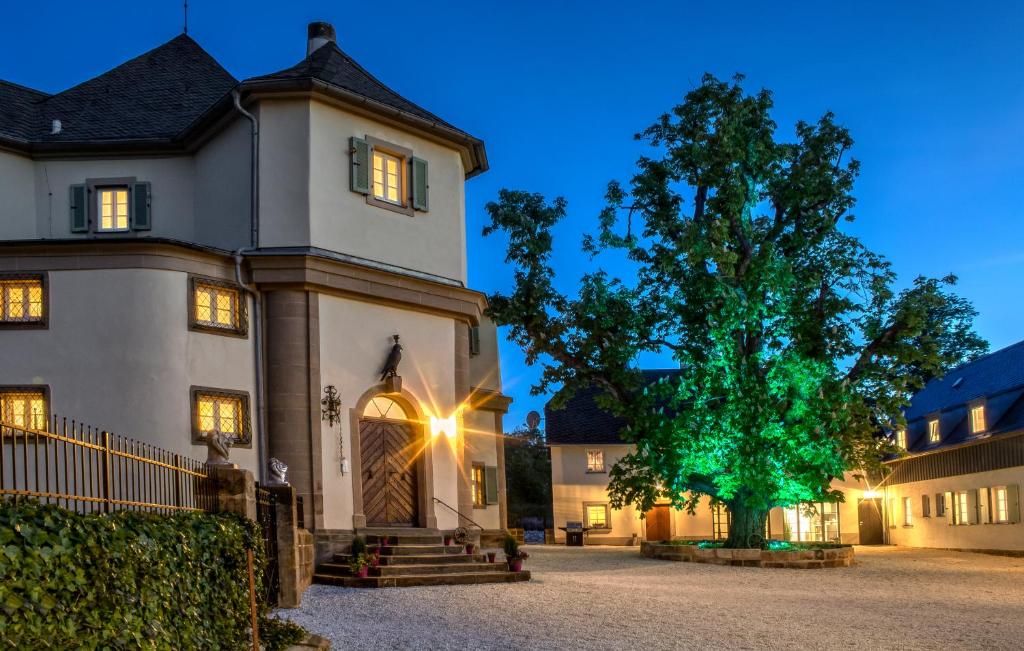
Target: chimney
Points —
{"points": [[319, 34]]}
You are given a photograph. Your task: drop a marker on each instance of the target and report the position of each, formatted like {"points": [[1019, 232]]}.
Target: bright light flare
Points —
{"points": [[447, 426]]}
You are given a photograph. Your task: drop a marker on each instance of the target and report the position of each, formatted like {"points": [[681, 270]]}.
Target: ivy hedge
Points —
{"points": [[125, 580]]}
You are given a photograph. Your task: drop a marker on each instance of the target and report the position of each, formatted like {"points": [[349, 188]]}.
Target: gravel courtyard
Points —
{"points": [[611, 598]]}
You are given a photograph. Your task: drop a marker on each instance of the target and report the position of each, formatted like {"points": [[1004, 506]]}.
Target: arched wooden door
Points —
{"points": [[388, 455]]}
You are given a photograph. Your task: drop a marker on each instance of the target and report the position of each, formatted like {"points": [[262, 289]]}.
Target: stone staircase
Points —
{"points": [[417, 559]]}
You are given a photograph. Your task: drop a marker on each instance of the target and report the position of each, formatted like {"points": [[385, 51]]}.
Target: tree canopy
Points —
{"points": [[795, 347]]}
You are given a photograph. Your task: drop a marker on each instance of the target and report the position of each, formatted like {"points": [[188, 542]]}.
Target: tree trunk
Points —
{"points": [[746, 526]]}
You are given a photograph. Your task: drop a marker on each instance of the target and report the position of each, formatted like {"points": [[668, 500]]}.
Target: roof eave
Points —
{"points": [[474, 152]]}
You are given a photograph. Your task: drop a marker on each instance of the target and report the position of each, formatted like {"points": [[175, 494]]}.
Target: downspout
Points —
{"points": [[262, 445]]}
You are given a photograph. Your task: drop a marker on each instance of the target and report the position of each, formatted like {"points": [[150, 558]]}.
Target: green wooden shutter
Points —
{"points": [[420, 187], [359, 178], [491, 484], [79, 209], [474, 340], [140, 207]]}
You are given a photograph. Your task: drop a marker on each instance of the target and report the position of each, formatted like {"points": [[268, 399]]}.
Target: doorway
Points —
{"points": [[389, 456], [659, 523], [869, 515]]}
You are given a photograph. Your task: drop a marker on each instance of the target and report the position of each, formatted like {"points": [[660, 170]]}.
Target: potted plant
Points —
{"points": [[447, 541], [491, 556], [360, 565], [384, 542], [470, 547], [513, 555]]}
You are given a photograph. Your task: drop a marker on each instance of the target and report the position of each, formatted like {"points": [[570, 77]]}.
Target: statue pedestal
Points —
{"points": [[393, 384]]}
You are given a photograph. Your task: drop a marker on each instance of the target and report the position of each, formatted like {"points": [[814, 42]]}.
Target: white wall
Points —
{"points": [[355, 338], [481, 447], [284, 172], [222, 182], [119, 355], [17, 197]]}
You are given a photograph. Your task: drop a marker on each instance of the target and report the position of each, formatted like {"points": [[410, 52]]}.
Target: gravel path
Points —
{"points": [[611, 598]]}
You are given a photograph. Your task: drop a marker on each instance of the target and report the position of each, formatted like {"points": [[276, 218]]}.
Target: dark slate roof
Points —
{"points": [[17, 109], [998, 378], [331, 65], [581, 421]]}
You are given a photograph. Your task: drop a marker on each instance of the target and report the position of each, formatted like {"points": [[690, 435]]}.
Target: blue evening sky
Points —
{"points": [[933, 93]]}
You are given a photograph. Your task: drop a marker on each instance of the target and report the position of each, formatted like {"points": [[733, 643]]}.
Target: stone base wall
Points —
{"points": [[328, 542], [306, 555], [797, 559]]}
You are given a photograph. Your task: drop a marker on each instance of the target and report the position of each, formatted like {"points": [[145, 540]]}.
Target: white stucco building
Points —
{"points": [[182, 253]]}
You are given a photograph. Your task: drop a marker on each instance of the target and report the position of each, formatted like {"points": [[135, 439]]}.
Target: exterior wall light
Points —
{"points": [[871, 494], [443, 425]]}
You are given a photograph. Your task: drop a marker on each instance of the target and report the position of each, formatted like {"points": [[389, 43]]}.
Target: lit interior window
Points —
{"points": [[25, 409], [387, 177], [22, 300], [217, 306], [901, 438], [961, 508], [595, 461], [478, 486], [597, 516], [1002, 510], [113, 203], [381, 407], [908, 514], [933, 431], [977, 419], [220, 414]]}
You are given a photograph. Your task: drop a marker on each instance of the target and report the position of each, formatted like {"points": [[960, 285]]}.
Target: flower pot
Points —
{"points": [[491, 556], [470, 547], [384, 541], [515, 565], [362, 572], [447, 541]]}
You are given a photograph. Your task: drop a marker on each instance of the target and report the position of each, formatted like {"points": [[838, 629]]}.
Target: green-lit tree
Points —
{"points": [[793, 346]]}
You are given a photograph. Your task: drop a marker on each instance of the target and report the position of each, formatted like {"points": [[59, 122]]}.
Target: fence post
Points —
{"points": [[177, 480], [106, 472]]}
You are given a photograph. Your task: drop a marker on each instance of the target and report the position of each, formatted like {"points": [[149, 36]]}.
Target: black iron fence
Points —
{"points": [[88, 469], [266, 515]]}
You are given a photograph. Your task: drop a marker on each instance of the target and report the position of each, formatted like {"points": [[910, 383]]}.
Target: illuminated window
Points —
{"points": [[221, 412], [962, 512], [596, 516], [908, 514], [479, 490], [381, 407], [721, 519], [387, 177], [901, 438], [1000, 504], [933, 430], [21, 300], [23, 408], [811, 522], [113, 209], [218, 307], [977, 419], [595, 460]]}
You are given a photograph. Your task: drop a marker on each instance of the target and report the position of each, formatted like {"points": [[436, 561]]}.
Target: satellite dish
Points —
{"points": [[532, 420]]}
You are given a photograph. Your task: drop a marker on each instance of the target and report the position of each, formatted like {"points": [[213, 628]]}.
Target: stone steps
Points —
{"points": [[417, 550], [424, 559], [415, 580]]}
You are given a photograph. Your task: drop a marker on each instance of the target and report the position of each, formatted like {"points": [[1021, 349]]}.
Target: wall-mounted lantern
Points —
{"points": [[330, 406]]}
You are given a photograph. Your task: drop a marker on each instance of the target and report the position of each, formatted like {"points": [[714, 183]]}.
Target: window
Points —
{"points": [[901, 438], [112, 209], [221, 412], [596, 516], [479, 494], [977, 419], [218, 307], [926, 506], [22, 300], [962, 512], [811, 522], [387, 177], [25, 408], [381, 407], [940, 505], [595, 460], [1000, 504], [721, 519], [908, 515], [933, 430]]}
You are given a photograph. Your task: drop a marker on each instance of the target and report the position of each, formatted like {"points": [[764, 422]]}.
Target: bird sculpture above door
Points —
{"points": [[389, 372]]}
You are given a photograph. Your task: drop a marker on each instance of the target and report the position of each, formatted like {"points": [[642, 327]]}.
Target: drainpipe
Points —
{"points": [[262, 445]]}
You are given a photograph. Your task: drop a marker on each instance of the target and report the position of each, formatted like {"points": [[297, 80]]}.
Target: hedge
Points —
{"points": [[125, 580]]}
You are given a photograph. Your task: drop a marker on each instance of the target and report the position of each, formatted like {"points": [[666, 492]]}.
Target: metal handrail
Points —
{"points": [[461, 515]]}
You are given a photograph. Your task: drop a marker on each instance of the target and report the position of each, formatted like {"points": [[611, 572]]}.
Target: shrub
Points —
{"points": [[511, 547], [279, 634], [358, 546], [123, 580]]}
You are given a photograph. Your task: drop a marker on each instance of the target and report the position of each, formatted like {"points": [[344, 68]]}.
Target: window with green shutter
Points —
{"points": [[491, 484], [79, 204], [420, 187], [360, 170], [140, 206]]}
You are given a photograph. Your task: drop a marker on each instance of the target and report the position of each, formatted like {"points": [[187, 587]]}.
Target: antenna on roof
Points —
{"points": [[185, 28]]}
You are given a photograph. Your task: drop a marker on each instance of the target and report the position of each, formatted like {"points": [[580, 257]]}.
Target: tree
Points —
{"points": [[794, 348], [528, 477]]}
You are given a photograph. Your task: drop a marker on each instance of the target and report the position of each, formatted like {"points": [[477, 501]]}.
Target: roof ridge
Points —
{"points": [[12, 84], [982, 358]]}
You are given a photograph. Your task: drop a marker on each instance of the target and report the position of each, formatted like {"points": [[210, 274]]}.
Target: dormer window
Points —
{"points": [[389, 175], [977, 419], [901, 438], [933, 430], [112, 208]]}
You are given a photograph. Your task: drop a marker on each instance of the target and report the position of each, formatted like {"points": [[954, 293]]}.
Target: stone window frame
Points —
{"points": [[607, 516], [195, 392], [92, 203], [242, 331], [404, 155], [42, 323]]}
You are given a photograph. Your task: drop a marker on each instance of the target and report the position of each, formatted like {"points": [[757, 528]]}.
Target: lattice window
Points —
{"points": [[25, 408], [21, 299], [222, 412], [381, 407], [218, 307]]}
